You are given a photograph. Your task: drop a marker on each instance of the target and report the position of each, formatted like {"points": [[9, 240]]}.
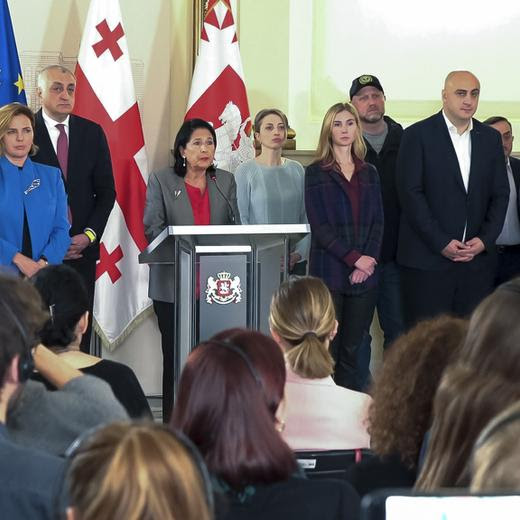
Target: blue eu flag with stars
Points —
{"points": [[11, 82]]}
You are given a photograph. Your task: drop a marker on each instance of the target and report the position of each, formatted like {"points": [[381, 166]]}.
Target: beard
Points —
{"points": [[372, 117]]}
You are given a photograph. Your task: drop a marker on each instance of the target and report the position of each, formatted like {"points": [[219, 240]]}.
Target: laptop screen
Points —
{"points": [[452, 507]]}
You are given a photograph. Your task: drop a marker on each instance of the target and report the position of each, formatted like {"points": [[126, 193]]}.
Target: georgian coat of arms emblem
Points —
{"points": [[223, 289]]}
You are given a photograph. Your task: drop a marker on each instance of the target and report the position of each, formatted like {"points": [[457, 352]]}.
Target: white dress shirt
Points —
{"points": [[462, 145], [53, 131]]}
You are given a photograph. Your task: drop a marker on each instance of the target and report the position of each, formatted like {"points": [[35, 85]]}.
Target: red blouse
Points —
{"points": [[199, 205]]}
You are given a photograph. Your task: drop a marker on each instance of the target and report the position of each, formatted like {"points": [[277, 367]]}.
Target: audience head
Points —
{"points": [[465, 402], [496, 457], [338, 117], [194, 146], [271, 127], [15, 119], [368, 96], [57, 90], [506, 132], [403, 393], [493, 340], [460, 96], [137, 471], [22, 318], [229, 392], [64, 297], [303, 321]]}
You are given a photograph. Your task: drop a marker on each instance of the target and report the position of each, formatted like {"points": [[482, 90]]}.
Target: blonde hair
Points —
{"points": [[496, 461], [303, 315], [136, 471], [325, 151], [7, 114]]}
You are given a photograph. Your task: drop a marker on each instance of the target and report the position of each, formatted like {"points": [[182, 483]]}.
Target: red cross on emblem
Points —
{"points": [[107, 262], [109, 40]]}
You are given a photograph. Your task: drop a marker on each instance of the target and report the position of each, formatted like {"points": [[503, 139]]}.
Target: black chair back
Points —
{"points": [[330, 464]]}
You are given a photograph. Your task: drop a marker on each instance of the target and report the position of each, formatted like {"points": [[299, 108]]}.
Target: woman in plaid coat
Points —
{"points": [[345, 212]]}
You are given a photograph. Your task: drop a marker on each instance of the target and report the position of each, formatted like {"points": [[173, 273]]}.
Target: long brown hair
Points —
{"points": [[404, 389], [493, 340], [465, 402], [496, 461], [229, 392], [325, 151]]}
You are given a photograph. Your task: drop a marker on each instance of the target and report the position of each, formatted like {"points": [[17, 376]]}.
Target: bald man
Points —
{"points": [[454, 192]]}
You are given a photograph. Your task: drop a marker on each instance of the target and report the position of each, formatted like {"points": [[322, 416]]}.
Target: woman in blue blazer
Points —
{"points": [[345, 212], [34, 228]]}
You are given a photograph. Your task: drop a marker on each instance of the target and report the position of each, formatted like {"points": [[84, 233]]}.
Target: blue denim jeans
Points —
{"points": [[390, 313]]}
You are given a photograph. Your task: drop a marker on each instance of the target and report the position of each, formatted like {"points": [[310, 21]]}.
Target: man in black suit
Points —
{"points": [[453, 189], [508, 242], [79, 147]]}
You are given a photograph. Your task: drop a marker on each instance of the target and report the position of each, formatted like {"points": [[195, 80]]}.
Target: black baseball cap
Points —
{"points": [[366, 80]]}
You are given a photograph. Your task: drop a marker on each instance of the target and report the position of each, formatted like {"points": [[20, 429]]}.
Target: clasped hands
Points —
{"points": [[457, 251], [363, 268]]}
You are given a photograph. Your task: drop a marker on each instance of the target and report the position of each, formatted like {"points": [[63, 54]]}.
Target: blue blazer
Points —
{"points": [[333, 235], [435, 205], [40, 190]]}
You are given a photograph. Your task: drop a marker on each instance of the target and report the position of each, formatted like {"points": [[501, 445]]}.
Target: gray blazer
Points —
{"points": [[168, 204]]}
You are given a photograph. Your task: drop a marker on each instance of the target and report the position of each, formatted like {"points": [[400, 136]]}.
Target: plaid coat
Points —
{"points": [[332, 228]]}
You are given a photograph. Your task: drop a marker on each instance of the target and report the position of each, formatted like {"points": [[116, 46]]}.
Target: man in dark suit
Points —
{"points": [[453, 189], [79, 147], [508, 242]]}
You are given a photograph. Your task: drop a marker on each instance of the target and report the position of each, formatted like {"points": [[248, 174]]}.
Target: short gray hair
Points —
{"points": [[42, 76]]}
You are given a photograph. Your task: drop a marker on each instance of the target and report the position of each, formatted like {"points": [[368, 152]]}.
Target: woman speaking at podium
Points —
{"points": [[193, 192]]}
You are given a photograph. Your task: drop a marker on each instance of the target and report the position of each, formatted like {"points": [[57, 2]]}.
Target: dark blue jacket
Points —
{"points": [[332, 227], [435, 205]]}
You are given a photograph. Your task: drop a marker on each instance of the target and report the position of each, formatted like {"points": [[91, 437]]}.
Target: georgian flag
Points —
{"points": [[105, 94], [218, 93]]}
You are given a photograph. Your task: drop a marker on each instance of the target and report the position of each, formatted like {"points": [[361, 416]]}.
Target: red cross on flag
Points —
{"points": [[218, 93], [105, 94]]}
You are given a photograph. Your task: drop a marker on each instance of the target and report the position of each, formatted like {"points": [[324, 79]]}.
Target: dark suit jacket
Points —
{"points": [[385, 163], [435, 205], [90, 183], [168, 204], [332, 227], [515, 168]]}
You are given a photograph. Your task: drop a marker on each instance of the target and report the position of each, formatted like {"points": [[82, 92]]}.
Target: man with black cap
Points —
{"points": [[382, 137]]}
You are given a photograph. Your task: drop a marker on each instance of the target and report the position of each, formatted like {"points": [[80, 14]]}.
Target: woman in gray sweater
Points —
{"points": [[270, 187]]}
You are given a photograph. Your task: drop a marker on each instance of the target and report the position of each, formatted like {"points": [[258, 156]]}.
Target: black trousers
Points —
{"points": [[165, 317], [508, 264], [86, 267], [457, 291], [354, 314]]}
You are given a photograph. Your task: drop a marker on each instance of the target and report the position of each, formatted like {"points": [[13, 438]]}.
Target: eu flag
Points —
{"points": [[11, 82]]}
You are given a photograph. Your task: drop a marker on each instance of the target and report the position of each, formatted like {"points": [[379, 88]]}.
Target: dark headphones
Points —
{"points": [[491, 429], [25, 361], [247, 360], [78, 445]]}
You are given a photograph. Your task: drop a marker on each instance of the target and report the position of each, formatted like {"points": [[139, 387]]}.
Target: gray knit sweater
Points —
{"points": [[51, 420]]}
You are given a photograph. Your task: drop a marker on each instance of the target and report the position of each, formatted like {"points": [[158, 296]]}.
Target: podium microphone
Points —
{"points": [[213, 177]]}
